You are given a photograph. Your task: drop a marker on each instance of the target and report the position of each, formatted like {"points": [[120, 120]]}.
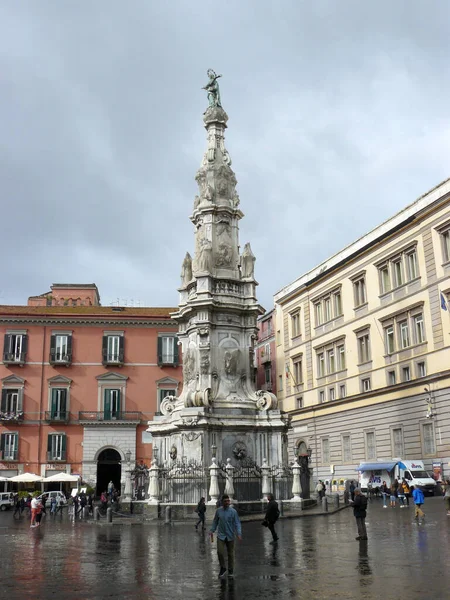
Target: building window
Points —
{"points": [[15, 348], [404, 334], [406, 374], [335, 358], [365, 385], [445, 240], [346, 449], [299, 402], [320, 364], [398, 273], [421, 369], [298, 371], [280, 383], [337, 304], [167, 350], [363, 348], [342, 391], [113, 349], [398, 270], [359, 291], [325, 451], [332, 394], [390, 340], [419, 331], [321, 397], [392, 378], [385, 280], [341, 357], [411, 259], [371, 452], [295, 324], [9, 445], [397, 442], [11, 402], [331, 361], [56, 446], [61, 348], [328, 307], [429, 446], [111, 404], [58, 404], [268, 373]]}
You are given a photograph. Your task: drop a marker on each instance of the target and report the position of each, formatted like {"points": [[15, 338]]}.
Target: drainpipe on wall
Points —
{"points": [[40, 399]]}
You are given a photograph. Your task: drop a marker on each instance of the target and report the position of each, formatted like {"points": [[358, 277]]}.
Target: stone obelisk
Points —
{"points": [[217, 316]]}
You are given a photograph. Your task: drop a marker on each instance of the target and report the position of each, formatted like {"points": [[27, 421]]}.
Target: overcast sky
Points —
{"points": [[338, 118]]}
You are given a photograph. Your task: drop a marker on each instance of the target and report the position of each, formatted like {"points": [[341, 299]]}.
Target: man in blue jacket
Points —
{"points": [[419, 499], [228, 526]]}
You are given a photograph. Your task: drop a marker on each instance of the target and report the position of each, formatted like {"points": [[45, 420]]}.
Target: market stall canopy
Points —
{"points": [[4, 479], [61, 477], [26, 478], [377, 466]]}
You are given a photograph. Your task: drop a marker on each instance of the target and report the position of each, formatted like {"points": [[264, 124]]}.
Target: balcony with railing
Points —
{"points": [[57, 358], [265, 358], [108, 417], [57, 416], [11, 417], [14, 358], [267, 387], [53, 457]]}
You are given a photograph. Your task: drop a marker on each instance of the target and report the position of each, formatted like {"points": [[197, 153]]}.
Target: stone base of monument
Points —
{"points": [[151, 512], [126, 507]]}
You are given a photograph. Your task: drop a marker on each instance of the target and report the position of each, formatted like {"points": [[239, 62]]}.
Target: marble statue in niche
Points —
{"points": [[247, 262], [189, 365], [204, 256], [186, 270]]}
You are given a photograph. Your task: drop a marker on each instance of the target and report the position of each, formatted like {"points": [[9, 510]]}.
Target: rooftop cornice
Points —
{"points": [[83, 321]]}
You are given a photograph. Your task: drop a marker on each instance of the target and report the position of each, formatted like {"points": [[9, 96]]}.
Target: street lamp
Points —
{"points": [[213, 450], [128, 456], [309, 451]]}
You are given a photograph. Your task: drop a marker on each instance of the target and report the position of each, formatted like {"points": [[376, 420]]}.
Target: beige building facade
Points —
{"points": [[363, 346]]}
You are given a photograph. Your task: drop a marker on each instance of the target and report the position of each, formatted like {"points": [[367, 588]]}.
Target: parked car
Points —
{"points": [[6, 501], [49, 495]]}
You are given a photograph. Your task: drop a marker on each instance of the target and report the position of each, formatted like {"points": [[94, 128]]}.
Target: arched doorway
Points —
{"points": [[108, 469]]}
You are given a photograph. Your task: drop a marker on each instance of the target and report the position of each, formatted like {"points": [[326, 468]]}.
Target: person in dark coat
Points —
{"points": [[271, 517], [360, 513], [201, 510]]}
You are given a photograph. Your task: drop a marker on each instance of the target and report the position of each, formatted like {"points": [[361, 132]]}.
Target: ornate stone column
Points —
{"points": [[127, 493], [229, 487], [266, 489], [153, 486], [214, 491]]}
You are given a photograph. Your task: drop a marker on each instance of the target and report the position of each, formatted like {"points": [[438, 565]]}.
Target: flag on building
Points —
{"points": [[443, 302]]}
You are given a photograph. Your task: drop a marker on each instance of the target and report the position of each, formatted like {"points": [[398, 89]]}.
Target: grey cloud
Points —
{"points": [[338, 119]]}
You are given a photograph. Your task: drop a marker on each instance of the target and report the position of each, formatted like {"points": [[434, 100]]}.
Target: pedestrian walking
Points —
{"points": [[352, 490], [271, 517], [17, 508], [419, 499], [447, 496], [228, 526], [60, 507], [53, 506], [406, 491], [39, 513], [91, 504], [110, 489], [360, 513], [201, 510], [401, 496], [394, 492], [34, 505], [319, 489], [104, 501], [76, 504], [386, 492]]}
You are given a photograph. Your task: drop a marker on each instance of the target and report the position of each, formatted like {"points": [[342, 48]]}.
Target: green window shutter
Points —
{"points": [[54, 396], [107, 404], [63, 445], [3, 406], [121, 348], [175, 352], [160, 359], [69, 348], [52, 348], [6, 346], [2, 443], [63, 402], [49, 443], [105, 349], [24, 345], [20, 401]]}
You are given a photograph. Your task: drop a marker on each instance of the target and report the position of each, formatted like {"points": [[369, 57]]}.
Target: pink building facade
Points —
{"points": [[79, 383], [266, 372]]}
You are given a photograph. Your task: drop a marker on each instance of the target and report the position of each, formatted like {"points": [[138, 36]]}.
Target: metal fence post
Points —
{"points": [[229, 487], [109, 515], [296, 487], [265, 479]]}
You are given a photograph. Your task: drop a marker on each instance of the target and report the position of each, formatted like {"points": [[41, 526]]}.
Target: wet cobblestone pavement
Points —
{"points": [[316, 557]]}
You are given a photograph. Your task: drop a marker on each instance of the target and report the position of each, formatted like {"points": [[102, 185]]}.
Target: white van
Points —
{"points": [[6, 500], [372, 475], [414, 473], [60, 497]]}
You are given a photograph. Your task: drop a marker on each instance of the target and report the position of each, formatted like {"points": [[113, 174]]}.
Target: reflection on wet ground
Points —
{"points": [[316, 557]]}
